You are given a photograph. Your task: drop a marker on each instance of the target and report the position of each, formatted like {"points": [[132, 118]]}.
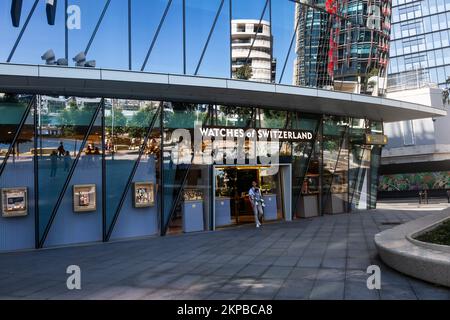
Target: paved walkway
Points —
{"points": [[319, 258]]}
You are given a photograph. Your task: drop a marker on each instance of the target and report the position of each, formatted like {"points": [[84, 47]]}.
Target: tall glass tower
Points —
{"points": [[312, 45], [342, 44], [420, 43]]}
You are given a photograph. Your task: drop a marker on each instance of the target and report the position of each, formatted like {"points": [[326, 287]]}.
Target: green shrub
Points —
{"points": [[439, 235]]}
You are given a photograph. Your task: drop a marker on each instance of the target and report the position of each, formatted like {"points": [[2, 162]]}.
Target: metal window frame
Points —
{"points": [[36, 175]]}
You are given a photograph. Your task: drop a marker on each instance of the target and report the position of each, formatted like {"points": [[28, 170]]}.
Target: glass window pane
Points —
{"points": [[444, 38], [271, 118], [446, 55], [127, 123], [82, 195], [12, 109], [439, 57], [436, 40], [424, 7], [429, 41], [408, 133], [433, 75], [432, 6], [442, 21], [63, 125], [434, 24], [393, 65], [441, 75], [335, 166], [401, 64], [186, 191], [18, 172]]}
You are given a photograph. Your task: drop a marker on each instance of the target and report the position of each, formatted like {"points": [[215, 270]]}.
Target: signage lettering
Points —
{"points": [[295, 135]]}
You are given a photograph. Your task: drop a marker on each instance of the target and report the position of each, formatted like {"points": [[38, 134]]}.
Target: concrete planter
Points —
{"points": [[398, 249]]}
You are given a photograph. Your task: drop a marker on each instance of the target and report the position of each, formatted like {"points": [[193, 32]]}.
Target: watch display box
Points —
{"points": [[143, 194], [14, 202], [84, 198]]}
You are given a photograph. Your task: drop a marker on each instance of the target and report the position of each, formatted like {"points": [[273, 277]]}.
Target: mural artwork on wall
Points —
{"points": [[415, 181]]}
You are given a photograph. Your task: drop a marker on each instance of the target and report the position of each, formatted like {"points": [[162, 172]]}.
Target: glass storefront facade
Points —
{"points": [[76, 170]]}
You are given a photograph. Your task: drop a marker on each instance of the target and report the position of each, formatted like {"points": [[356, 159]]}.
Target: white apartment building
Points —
{"points": [[252, 34]]}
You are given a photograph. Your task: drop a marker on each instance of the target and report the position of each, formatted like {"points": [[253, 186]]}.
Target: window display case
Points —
{"points": [[84, 198], [14, 202], [192, 195], [336, 199], [311, 184], [309, 201], [192, 210], [143, 194]]}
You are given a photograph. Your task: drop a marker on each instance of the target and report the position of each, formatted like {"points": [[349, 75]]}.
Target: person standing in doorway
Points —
{"points": [[256, 200]]}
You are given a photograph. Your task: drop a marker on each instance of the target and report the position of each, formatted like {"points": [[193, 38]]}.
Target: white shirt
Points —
{"points": [[254, 194]]}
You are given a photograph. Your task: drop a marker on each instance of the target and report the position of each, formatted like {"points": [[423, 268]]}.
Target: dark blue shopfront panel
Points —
{"points": [[139, 222], [270, 210], [71, 227], [18, 233]]}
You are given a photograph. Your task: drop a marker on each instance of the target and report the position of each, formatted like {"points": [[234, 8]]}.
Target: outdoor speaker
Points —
{"points": [[16, 11], [51, 11]]}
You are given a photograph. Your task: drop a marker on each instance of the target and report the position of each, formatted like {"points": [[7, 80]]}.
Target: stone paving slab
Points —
{"points": [[320, 258]]}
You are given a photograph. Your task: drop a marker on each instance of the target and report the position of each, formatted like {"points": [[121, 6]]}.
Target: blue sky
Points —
{"points": [[110, 45]]}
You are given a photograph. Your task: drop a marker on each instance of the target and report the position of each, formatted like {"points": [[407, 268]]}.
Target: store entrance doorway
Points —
{"points": [[232, 204]]}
